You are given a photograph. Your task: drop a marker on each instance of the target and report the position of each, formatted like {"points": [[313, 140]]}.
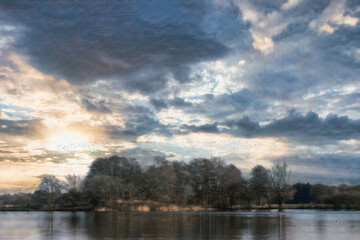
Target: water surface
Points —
{"points": [[292, 224]]}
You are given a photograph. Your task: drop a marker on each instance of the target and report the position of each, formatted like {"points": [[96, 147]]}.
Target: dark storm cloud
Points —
{"points": [[20, 127], [180, 103], [94, 107], [239, 100], [268, 6], [340, 47], [279, 85], [292, 30], [158, 103], [175, 102], [142, 43], [244, 124], [138, 121], [302, 127], [309, 127], [220, 107], [353, 4], [209, 128]]}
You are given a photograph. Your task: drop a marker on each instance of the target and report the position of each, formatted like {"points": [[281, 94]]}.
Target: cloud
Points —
{"points": [[180, 103], [95, 107], [290, 4], [186, 79], [311, 127], [264, 25], [138, 121], [176, 102], [145, 156], [226, 105], [333, 17], [233, 148], [158, 103], [123, 41], [208, 128], [33, 94], [268, 6], [321, 167], [297, 127], [263, 43], [245, 124], [303, 62], [26, 128]]}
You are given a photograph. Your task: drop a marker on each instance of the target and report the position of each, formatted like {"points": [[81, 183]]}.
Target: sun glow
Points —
{"points": [[69, 142]]}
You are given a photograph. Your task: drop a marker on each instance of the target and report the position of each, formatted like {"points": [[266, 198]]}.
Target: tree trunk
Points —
{"points": [[268, 200]]}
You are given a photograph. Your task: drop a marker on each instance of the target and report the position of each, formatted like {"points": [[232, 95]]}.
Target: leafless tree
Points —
{"points": [[161, 182], [73, 182], [50, 185], [280, 179]]}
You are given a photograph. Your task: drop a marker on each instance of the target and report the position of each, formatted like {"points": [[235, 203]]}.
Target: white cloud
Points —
{"points": [[263, 43], [290, 4], [55, 101], [214, 77], [327, 28], [333, 17], [242, 62], [263, 26]]}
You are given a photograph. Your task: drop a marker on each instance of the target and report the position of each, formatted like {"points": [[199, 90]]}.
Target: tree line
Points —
{"points": [[209, 183]]}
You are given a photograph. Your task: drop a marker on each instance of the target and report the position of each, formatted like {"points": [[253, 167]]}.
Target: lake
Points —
{"points": [[291, 224]]}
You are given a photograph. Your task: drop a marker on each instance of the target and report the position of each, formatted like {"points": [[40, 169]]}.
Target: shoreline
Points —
{"points": [[174, 208]]}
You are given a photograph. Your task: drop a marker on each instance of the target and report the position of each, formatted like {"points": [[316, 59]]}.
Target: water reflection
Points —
{"points": [[235, 225], [320, 226]]}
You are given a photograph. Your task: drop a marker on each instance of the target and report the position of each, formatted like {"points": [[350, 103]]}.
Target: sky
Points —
{"points": [[251, 82]]}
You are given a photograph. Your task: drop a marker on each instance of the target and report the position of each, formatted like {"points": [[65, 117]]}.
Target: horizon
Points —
{"points": [[251, 82]]}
